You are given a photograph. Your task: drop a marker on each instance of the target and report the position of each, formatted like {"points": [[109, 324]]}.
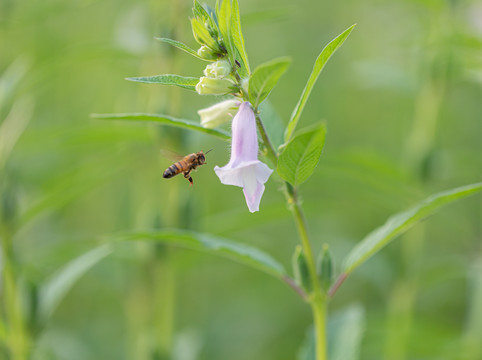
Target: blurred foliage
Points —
{"points": [[402, 104]]}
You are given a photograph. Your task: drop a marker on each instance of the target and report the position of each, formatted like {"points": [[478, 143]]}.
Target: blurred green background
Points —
{"points": [[403, 103]]}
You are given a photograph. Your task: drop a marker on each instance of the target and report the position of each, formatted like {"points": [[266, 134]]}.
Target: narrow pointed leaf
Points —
{"points": [[242, 253], [184, 82], [238, 39], [202, 35], [181, 46], [298, 159], [54, 290], [223, 13], [264, 79], [320, 62], [401, 222], [164, 120]]}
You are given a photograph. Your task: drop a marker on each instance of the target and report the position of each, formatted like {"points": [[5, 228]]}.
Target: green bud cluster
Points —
{"points": [[209, 29], [206, 33]]}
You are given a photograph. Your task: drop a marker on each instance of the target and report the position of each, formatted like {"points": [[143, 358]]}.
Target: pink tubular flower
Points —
{"points": [[244, 169]]}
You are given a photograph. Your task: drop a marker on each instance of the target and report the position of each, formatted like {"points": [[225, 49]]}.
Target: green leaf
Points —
{"points": [[264, 79], [223, 13], [165, 120], [401, 222], [320, 62], [241, 253], [207, 15], [308, 347], [273, 123], [52, 292], [238, 39], [181, 46], [345, 332], [202, 35], [168, 79], [298, 159]]}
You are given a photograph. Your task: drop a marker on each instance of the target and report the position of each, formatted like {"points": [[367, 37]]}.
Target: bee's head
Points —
{"points": [[201, 157]]}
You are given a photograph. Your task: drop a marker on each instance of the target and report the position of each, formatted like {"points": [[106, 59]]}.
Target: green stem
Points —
{"points": [[319, 318], [271, 152], [16, 335], [317, 299]]}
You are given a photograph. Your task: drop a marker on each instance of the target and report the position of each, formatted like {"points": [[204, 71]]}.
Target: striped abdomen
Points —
{"points": [[174, 169]]}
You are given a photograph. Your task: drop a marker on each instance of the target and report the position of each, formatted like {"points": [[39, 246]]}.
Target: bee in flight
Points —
{"points": [[187, 164]]}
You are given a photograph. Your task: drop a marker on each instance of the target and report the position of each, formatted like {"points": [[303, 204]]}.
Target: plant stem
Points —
{"points": [[16, 335], [317, 299], [319, 319], [271, 152]]}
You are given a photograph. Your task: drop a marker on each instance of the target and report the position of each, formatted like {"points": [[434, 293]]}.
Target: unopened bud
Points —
{"points": [[325, 268], [202, 35], [219, 113], [300, 269], [218, 69], [207, 53], [209, 86]]}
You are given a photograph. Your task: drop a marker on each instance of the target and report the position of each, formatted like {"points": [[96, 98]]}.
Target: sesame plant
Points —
{"points": [[256, 161]]}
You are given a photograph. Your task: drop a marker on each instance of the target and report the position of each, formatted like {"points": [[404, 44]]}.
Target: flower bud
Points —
{"points": [[219, 113], [300, 269], [324, 268], [219, 69], [202, 35], [208, 86], [207, 53]]}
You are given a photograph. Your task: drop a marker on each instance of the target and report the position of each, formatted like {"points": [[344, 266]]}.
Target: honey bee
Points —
{"points": [[187, 164]]}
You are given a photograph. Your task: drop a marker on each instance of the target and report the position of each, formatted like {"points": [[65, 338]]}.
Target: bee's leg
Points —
{"points": [[188, 176]]}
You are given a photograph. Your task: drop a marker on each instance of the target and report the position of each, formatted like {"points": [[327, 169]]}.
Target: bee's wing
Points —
{"points": [[171, 155]]}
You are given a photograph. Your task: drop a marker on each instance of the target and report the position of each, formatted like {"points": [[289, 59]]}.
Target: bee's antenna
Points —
{"points": [[208, 151]]}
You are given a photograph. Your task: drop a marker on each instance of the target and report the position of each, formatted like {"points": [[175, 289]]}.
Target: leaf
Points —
{"points": [[181, 46], [473, 324], [320, 62], [202, 35], [345, 332], [308, 349], [401, 222], [223, 13], [165, 120], [54, 290], [168, 79], [272, 122], [238, 39], [264, 79], [298, 159], [241, 253]]}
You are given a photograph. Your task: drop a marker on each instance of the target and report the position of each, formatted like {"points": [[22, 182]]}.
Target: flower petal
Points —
{"points": [[244, 169], [253, 200]]}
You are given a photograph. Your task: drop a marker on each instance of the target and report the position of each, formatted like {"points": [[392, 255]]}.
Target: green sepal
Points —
{"points": [[300, 269], [325, 268]]}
